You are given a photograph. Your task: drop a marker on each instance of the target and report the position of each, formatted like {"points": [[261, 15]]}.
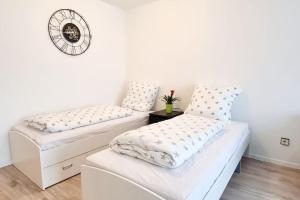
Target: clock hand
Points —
{"points": [[70, 32]]}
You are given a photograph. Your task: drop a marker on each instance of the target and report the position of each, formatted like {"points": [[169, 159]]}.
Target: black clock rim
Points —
{"points": [[88, 27]]}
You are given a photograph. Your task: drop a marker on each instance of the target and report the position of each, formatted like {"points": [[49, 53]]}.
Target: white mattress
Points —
{"points": [[48, 141], [192, 180]]}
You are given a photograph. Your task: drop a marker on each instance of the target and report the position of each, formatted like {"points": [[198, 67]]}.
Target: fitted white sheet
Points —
{"points": [[192, 180], [48, 141]]}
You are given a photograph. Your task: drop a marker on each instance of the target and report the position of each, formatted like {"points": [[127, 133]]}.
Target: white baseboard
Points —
{"points": [[4, 164], [274, 161]]}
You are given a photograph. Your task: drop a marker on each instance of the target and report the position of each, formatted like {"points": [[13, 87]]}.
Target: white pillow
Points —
{"points": [[141, 96], [213, 103]]}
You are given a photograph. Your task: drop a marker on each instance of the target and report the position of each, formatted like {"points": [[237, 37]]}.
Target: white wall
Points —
{"points": [[127, 4], [35, 77], [252, 43]]}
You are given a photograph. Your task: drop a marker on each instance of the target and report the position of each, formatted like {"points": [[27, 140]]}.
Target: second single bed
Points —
{"points": [[189, 157], [109, 175]]}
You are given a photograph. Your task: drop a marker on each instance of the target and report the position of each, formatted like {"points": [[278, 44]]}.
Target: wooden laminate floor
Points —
{"points": [[258, 180]]}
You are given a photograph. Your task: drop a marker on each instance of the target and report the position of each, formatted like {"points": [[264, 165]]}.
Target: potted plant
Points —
{"points": [[169, 100]]}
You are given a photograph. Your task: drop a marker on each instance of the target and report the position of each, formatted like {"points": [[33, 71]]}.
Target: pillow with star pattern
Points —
{"points": [[141, 96], [213, 103]]}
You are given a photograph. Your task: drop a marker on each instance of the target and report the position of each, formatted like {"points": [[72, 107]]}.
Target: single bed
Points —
{"points": [[50, 158], [109, 175], [56, 144]]}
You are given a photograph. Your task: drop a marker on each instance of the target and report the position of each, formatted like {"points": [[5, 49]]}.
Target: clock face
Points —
{"points": [[69, 32]]}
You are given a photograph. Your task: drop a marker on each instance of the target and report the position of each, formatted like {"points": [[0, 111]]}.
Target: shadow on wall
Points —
{"points": [[240, 108], [123, 92]]}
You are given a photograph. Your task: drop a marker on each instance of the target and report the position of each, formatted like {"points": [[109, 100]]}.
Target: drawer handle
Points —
{"points": [[67, 166]]}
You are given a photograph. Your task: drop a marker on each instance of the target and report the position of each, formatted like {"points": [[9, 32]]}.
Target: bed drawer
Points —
{"points": [[63, 170]]}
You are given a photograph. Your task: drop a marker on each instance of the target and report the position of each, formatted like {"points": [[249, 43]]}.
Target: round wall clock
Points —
{"points": [[69, 32]]}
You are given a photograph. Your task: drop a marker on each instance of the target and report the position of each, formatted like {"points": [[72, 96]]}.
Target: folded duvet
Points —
{"points": [[169, 143], [75, 118]]}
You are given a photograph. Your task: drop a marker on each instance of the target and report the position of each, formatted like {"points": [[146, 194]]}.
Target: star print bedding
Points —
{"points": [[169, 143], [75, 118]]}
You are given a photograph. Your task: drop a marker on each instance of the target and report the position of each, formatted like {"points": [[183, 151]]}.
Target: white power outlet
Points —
{"points": [[285, 141]]}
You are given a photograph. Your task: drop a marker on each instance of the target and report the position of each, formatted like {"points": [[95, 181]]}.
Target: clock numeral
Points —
{"points": [[81, 49], [53, 27], [87, 36], [57, 19], [86, 43], [63, 14], [56, 38], [72, 14], [73, 50], [64, 47]]}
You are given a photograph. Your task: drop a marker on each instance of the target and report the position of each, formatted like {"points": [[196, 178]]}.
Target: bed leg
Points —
{"points": [[238, 168]]}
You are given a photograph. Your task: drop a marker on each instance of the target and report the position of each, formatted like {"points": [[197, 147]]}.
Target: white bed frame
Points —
{"points": [[100, 184], [48, 167]]}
